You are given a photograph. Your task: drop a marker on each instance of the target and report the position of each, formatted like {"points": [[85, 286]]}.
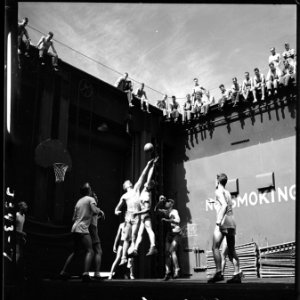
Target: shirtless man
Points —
{"points": [[247, 86], [259, 84], [141, 94], [225, 227], [145, 203], [44, 45], [22, 31], [131, 199]]}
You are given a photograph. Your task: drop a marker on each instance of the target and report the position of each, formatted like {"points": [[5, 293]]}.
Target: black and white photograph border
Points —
{"points": [[151, 150]]}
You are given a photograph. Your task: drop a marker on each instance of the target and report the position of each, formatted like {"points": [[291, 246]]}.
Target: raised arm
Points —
{"points": [[138, 184], [150, 173], [160, 202]]}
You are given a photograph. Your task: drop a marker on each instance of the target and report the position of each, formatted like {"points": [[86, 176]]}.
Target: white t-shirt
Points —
{"points": [[175, 216], [275, 59], [83, 214]]}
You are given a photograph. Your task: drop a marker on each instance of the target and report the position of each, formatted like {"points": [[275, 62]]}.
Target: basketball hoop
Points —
{"points": [[60, 171]]}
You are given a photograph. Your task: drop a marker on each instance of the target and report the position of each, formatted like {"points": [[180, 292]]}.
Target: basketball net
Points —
{"points": [[60, 171]]}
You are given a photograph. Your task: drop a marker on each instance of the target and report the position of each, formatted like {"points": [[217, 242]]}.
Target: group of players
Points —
{"points": [[138, 201]]}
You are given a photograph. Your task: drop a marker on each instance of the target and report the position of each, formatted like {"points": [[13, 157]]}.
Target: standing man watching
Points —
{"points": [[85, 209], [225, 227]]}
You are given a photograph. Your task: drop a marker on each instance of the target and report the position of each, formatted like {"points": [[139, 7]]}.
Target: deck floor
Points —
{"points": [[154, 289]]}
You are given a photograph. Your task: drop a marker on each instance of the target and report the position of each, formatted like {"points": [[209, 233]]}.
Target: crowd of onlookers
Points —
{"points": [[281, 75], [43, 45]]}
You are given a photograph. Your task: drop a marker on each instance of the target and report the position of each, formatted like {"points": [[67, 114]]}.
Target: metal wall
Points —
{"points": [[248, 151]]}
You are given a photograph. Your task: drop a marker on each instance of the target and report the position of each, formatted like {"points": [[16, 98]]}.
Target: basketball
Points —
{"points": [[148, 147]]}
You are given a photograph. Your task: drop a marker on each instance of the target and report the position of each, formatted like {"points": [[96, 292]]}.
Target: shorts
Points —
{"points": [[130, 220], [120, 243], [228, 231], [173, 236], [94, 234]]}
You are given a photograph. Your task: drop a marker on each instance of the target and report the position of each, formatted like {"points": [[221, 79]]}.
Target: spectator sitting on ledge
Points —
{"points": [[275, 58], [162, 104], [43, 45], [226, 96], [273, 79], [289, 73], [205, 101], [123, 84], [187, 108], [289, 54], [120, 83], [236, 91], [174, 106], [246, 86], [128, 90], [259, 85], [141, 94]]}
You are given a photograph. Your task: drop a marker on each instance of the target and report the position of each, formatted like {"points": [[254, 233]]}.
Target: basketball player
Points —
{"points": [[145, 203], [84, 210], [93, 229], [225, 227], [131, 199], [117, 248], [173, 235]]}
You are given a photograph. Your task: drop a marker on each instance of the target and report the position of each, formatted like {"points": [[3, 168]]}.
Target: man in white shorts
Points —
{"points": [[144, 213], [132, 201], [225, 227]]}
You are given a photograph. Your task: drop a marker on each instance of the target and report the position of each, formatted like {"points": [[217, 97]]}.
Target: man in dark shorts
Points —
{"points": [[84, 210], [93, 229], [173, 236], [225, 227]]}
